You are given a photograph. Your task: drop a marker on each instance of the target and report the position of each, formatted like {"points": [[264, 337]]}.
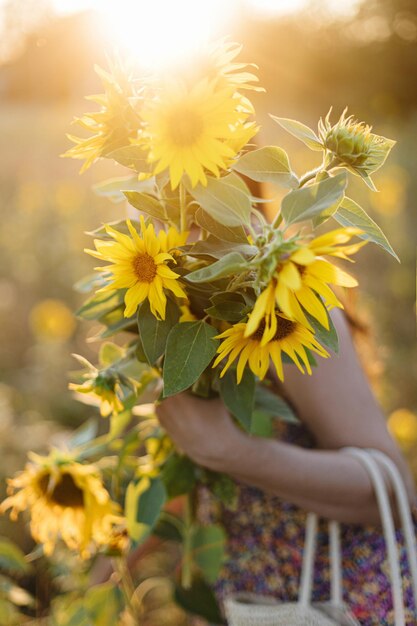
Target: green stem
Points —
{"points": [[183, 207], [186, 573], [128, 588]]}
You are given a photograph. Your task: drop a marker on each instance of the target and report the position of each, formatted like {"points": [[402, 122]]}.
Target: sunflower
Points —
{"points": [[194, 129], [259, 348], [107, 390], [217, 62], [172, 239], [66, 500], [114, 124], [138, 264], [303, 276]]}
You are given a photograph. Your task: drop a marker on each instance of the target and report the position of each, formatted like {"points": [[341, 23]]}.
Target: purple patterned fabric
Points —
{"points": [[265, 547]]}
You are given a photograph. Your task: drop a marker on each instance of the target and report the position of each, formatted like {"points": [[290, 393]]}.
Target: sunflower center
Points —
{"points": [[284, 329], [185, 127], [144, 267], [65, 493]]}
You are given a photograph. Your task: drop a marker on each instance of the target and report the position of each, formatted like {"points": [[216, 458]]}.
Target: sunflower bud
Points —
{"points": [[354, 145]]}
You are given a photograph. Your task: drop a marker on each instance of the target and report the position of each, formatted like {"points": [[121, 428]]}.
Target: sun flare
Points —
{"points": [[162, 33]]}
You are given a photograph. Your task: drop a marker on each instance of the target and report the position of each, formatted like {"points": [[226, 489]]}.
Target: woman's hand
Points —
{"points": [[203, 430]]}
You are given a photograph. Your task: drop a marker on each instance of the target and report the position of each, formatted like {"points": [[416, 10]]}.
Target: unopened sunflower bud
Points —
{"points": [[354, 145]]}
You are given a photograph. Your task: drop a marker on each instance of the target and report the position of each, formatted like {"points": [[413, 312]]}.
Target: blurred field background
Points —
{"points": [[311, 56]]}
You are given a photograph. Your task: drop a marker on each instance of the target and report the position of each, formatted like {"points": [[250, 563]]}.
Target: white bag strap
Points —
{"points": [[307, 570], [405, 513], [388, 527], [368, 459]]}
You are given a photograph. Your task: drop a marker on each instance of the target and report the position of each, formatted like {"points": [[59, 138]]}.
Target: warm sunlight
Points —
{"points": [[162, 32]]}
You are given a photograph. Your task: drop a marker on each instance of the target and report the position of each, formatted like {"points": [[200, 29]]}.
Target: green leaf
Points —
{"points": [[232, 263], [300, 131], [99, 305], [68, 610], [153, 332], [178, 475], [351, 214], [190, 348], [228, 311], [208, 544], [126, 324], [143, 504], [322, 198], [267, 165], [328, 338], [199, 600], [273, 405], [88, 283], [103, 604], [132, 157], [113, 188], [146, 203], [12, 559], [85, 433], [261, 424], [110, 353], [169, 527], [239, 398], [234, 234], [225, 202], [216, 248]]}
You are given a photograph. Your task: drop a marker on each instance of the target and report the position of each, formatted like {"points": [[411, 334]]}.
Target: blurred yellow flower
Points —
{"points": [[402, 424], [257, 350], [65, 500], [52, 319], [194, 129], [138, 264], [114, 124], [106, 389]]}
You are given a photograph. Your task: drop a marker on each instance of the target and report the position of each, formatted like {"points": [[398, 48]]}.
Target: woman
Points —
{"points": [[279, 479]]}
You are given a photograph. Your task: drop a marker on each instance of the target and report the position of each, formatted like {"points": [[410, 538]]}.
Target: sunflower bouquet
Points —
{"points": [[198, 291]]}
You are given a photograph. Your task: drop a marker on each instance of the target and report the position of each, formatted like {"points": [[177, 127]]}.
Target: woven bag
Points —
{"points": [[243, 609]]}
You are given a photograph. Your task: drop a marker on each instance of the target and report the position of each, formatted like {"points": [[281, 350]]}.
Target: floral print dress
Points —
{"points": [[265, 549]]}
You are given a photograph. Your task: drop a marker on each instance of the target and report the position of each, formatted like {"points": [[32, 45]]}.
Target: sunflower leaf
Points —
{"points": [[207, 544], [190, 348], [239, 398], [132, 157], [329, 338], [267, 165], [200, 600], [12, 559], [143, 505], [234, 234], [154, 332], [300, 131], [228, 265], [224, 201], [146, 203], [351, 214], [269, 403], [113, 188], [322, 198]]}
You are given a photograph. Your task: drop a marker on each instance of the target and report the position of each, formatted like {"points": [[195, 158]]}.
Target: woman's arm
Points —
{"points": [[337, 406]]}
